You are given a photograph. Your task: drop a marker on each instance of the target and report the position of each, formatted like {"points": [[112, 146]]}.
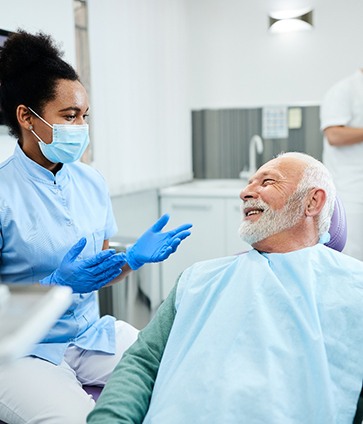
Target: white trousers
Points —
{"points": [[35, 391]]}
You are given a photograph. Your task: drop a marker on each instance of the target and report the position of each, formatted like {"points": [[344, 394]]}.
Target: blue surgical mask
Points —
{"points": [[68, 142]]}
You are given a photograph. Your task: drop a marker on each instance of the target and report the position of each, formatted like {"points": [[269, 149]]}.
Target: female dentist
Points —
{"points": [[55, 222]]}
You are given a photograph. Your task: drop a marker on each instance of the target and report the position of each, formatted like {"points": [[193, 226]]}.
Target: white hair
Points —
{"points": [[316, 175]]}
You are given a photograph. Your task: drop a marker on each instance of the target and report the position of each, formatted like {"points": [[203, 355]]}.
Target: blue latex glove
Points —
{"points": [[155, 246], [86, 275]]}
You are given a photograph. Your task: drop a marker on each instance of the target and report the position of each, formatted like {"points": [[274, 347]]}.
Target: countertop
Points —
{"points": [[229, 188]]}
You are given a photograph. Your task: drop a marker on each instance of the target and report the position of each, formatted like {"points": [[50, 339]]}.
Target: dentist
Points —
{"points": [[55, 223]]}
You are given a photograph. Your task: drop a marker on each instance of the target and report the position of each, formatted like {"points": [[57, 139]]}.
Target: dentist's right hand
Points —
{"points": [[86, 275]]}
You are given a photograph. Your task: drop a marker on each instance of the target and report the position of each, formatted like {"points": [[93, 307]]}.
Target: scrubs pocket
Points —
{"points": [[98, 237]]}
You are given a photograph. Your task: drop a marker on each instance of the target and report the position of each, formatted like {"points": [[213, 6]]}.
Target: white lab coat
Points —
{"points": [[343, 105]]}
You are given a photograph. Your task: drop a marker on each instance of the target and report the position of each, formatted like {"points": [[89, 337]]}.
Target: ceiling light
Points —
{"points": [[288, 20]]}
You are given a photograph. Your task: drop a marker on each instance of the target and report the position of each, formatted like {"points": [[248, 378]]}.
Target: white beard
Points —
{"points": [[271, 221]]}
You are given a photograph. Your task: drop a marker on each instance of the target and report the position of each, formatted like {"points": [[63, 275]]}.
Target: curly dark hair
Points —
{"points": [[30, 66]]}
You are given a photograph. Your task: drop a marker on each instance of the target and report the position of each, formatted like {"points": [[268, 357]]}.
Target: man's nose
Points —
{"points": [[248, 193]]}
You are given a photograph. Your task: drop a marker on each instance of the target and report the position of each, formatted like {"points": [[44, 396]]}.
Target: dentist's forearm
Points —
{"points": [[126, 270]]}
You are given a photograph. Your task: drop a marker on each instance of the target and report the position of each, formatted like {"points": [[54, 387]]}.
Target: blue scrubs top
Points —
{"points": [[41, 216]]}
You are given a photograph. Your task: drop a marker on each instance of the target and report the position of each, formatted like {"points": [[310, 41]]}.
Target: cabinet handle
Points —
{"points": [[191, 206]]}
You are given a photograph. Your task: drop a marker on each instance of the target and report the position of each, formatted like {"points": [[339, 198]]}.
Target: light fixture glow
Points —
{"points": [[289, 14], [288, 21]]}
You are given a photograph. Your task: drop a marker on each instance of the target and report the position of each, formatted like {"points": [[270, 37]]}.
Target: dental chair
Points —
{"points": [[94, 391], [338, 237], [338, 227]]}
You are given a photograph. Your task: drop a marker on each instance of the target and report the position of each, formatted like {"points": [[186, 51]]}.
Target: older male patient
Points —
{"points": [[273, 335]]}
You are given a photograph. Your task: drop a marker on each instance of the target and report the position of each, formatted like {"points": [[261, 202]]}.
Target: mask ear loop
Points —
{"points": [[36, 135], [38, 116], [31, 126]]}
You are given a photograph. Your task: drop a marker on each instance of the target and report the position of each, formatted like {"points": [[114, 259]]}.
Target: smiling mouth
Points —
{"points": [[251, 212]]}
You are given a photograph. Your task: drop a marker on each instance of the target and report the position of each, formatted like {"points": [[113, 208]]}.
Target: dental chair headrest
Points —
{"points": [[338, 227]]}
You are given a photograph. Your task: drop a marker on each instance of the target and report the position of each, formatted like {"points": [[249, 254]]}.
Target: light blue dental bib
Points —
{"points": [[264, 338]]}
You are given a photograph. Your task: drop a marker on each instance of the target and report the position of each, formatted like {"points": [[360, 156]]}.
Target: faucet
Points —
{"points": [[256, 144]]}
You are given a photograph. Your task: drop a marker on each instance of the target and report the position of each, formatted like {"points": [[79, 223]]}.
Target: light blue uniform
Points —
{"points": [[264, 338], [41, 217]]}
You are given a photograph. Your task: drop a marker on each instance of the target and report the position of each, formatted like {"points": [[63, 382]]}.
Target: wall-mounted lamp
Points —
{"points": [[294, 20]]}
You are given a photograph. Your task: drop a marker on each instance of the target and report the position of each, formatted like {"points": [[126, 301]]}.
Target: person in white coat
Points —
{"points": [[341, 119]]}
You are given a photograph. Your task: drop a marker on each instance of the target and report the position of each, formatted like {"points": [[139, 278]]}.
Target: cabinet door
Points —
{"points": [[206, 240], [233, 243]]}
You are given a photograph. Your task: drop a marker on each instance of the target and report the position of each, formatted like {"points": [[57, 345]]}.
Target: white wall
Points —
{"points": [[235, 61], [51, 17], [139, 75], [155, 60]]}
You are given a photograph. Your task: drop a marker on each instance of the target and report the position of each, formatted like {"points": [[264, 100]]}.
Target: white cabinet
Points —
{"points": [[215, 215], [206, 240]]}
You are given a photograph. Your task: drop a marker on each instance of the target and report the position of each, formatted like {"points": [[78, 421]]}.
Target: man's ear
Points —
{"points": [[24, 117], [315, 202]]}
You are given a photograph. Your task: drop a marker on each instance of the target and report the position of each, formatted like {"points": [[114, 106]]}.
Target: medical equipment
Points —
{"points": [[26, 315]]}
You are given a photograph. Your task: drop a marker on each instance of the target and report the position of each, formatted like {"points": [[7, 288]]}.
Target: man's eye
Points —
{"points": [[268, 181]]}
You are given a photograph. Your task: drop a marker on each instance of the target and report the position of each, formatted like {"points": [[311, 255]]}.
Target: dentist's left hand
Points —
{"points": [[155, 246], [86, 275]]}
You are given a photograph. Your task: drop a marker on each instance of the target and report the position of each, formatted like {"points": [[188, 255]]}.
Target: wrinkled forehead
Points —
{"points": [[285, 167]]}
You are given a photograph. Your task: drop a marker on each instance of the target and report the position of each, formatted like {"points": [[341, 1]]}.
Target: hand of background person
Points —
{"points": [[155, 246], [86, 275]]}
